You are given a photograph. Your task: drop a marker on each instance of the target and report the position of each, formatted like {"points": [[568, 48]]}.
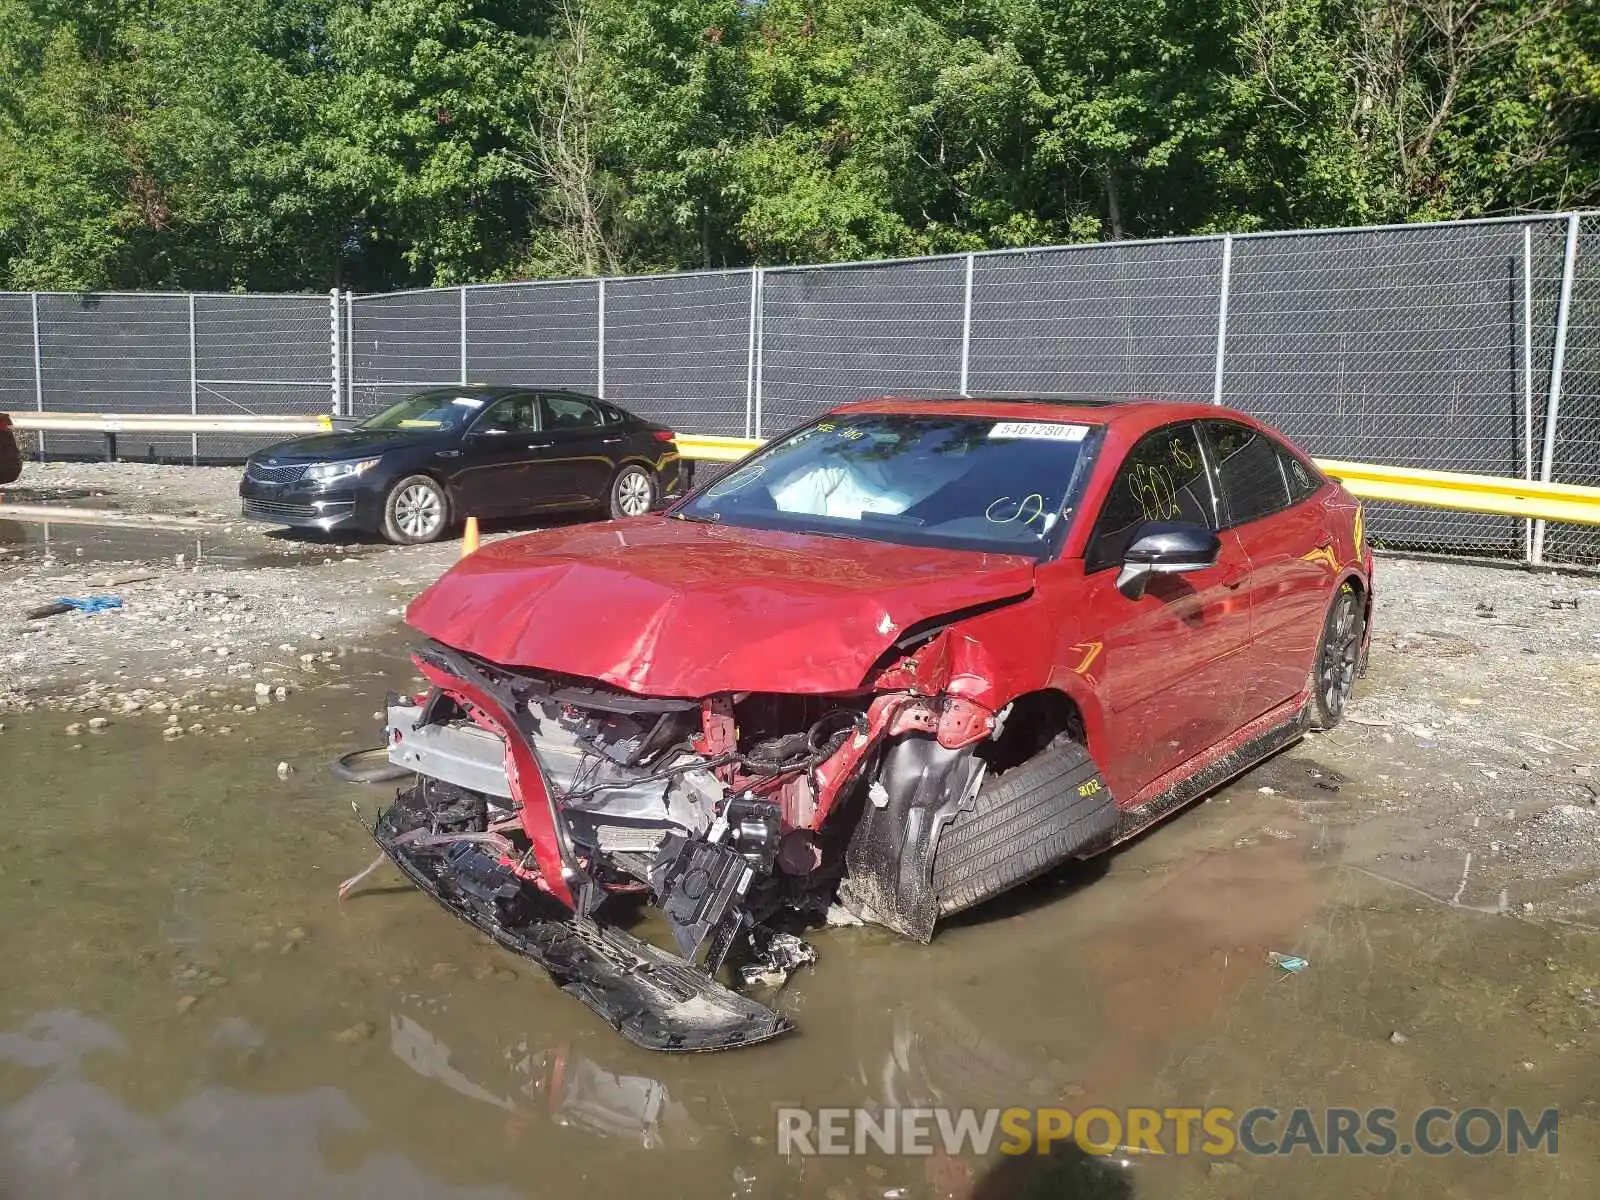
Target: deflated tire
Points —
{"points": [[1022, 823]]}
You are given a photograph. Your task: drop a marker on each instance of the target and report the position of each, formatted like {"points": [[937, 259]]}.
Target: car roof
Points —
{"points": [[1140, 414], [500, 389]]}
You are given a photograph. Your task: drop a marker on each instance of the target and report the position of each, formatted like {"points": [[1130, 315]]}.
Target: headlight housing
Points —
{"points": [[334, 471]]}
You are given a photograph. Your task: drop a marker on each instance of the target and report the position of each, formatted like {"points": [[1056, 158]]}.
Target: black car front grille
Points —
{"points": [[292, 473]]}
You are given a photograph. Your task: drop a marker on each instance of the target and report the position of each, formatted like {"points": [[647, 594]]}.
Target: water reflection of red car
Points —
{"points": [[10, 452], [907, 657]]}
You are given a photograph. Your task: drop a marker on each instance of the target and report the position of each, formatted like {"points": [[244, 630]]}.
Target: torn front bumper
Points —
{"points": [[653, 998], [542, 903]]}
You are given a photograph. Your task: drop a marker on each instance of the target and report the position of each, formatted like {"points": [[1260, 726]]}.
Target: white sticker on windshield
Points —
{"points": [[1047, 431], [467, 402]]}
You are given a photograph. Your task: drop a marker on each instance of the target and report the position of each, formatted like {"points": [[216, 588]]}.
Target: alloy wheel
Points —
{"points": [[1341, 648], [633, 494], [418, 511]]}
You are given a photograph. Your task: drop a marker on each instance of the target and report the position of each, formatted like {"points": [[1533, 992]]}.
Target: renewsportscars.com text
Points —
{"points": [[1217, 1131]]}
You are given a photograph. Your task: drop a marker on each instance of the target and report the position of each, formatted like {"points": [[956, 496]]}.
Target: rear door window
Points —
{"points": [[1163, 478], [1250, 474]]}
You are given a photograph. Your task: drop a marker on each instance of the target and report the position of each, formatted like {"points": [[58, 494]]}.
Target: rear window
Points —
{"points": [[962, 482], [568, 412]]}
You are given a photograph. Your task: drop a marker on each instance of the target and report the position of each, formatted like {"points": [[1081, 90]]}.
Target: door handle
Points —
{"points": [[610, 441], [539, 445]]}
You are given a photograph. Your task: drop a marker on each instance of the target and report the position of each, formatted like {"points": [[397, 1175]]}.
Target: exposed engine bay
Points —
{"points": [[540, 798]]}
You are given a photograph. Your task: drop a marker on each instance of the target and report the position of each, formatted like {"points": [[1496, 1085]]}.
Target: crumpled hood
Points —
{"points": [[666, 607]]}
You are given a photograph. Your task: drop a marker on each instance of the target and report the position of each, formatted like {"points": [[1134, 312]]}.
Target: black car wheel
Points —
{"points": [[1333, 677], [415, 511], [633, 492]]}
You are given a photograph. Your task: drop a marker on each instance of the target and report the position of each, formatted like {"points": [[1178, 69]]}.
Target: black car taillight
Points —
{"points": [[663, 435]]}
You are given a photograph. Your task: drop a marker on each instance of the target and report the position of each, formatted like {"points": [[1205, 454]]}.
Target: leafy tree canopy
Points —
{"points": [[373, 144]]}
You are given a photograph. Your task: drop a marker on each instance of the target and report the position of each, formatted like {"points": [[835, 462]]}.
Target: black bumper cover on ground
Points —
{"points": [[652, 997]]}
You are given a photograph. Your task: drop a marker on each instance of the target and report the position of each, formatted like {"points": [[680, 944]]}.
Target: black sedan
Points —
{"points": [[441, 455]]}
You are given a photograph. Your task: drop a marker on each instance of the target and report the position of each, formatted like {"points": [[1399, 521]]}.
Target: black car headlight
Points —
{"points": [[337, 472]]}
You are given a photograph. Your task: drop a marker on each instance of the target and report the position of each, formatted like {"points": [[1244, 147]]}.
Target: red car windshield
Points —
{"points": [[965, 483]]}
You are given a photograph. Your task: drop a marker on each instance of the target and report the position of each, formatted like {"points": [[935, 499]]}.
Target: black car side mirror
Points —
{"points": [[1165, 548]]}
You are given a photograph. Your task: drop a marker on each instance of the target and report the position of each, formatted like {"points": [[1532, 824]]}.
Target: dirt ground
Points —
{"points": [[1436, 857]]}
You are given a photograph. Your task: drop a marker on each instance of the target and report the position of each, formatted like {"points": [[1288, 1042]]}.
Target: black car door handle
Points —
{"points": [[540, 445], [610, 441]]}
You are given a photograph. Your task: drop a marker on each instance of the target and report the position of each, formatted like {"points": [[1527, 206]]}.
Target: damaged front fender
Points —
{"points": [[920, 785]]}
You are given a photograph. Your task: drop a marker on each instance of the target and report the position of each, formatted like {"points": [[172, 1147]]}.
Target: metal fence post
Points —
{"points": [[38, 370], [1222, 317], [761, 337], [750, 361], [1557, 361], [194, 384], [966, 329], [1527, 377], [336, 353], [600, 338], [350, 354], [463, 292]]}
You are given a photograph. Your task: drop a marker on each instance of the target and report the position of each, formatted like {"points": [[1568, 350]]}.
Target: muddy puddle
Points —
{"points": [[185, 1009], [39, 540]]}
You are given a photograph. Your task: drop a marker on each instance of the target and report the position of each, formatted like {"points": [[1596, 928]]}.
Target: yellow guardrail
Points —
{"points": [[715, 449], [1525, 498]]}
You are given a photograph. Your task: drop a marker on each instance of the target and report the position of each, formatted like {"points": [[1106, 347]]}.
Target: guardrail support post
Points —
{"points": [[1222, 317], [1557, 362]]}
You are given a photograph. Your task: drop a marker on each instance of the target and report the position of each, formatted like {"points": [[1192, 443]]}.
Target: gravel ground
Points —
{"points": [[1466, 770], [216, 621], [133, 488]]}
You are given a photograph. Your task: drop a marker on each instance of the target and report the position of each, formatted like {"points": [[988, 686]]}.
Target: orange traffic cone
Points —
{"points": [[469, 537]]}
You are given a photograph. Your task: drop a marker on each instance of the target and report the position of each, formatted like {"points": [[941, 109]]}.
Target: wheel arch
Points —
{"points": [[1363, 585]]}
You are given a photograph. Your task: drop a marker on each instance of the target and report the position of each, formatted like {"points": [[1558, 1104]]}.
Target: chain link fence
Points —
{"points": [[1445, 346], [1575, 435], [177, 353]]}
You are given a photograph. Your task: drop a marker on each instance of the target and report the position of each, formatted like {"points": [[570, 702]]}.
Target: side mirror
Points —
{"points": [[1165, 548]]}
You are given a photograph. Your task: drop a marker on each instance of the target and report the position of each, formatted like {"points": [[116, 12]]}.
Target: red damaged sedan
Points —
{"points": [[900, 660]]}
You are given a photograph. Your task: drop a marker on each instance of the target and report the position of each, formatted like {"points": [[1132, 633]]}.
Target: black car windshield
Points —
{"points": [[972, 483], [443, 408]]}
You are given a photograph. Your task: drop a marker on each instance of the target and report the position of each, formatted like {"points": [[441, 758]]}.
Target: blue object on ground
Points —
{"points": [[90, 604]]}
